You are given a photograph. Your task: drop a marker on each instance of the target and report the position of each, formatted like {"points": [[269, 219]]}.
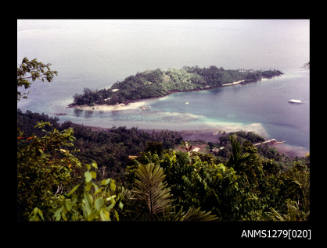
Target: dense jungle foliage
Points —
{"points": [[109, 148], [157, 83], [150, 181]]}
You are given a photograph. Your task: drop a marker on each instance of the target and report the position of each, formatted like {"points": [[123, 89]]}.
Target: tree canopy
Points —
{"points": [[31, 70]]}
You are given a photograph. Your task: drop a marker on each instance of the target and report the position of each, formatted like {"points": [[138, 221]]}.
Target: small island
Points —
{"points": [[159, 83]]}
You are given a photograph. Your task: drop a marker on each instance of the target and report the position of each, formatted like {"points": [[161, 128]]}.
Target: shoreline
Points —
{"points": [[213, 135], [135, 104], [105, 107]]}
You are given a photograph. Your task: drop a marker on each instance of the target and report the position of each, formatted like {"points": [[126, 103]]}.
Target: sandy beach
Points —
{"points": [[117, 107], [233, 83]]}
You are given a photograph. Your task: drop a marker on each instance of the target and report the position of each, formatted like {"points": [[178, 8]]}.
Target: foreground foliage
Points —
{"points": [[45, 168], [158, 184], [110, 149], [249, 187], [32, 70], [151, 200]]}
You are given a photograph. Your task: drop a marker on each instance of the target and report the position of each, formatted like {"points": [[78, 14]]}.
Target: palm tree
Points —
{"points": [[237, 157], [151, 189]]}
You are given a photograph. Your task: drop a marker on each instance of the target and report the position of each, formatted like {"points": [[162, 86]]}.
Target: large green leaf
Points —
{"points": [[86, 207], [121, 205], [88, 176], [94, 165], [68, 204], [99, 203], [105, 181], [93, 174], [112, 185], [41, 214], [57, 214], [104, 215], [73, 190]]}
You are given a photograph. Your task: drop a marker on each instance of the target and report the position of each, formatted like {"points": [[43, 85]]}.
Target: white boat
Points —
{"points": [[294, 101], [187, 103]]}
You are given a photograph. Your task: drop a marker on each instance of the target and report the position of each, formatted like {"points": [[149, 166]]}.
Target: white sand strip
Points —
{"points": [[116, 107]]}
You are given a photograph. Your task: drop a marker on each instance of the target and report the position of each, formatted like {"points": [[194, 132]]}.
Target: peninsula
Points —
{"points": [[159, 83]]}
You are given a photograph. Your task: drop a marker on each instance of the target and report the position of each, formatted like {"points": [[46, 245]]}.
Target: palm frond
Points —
{"points": [[150, 188], [293, 213], [196, 214], [274, 215]]}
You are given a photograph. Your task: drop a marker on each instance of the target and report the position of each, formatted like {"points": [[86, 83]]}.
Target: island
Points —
{"points": [[159, 83]]}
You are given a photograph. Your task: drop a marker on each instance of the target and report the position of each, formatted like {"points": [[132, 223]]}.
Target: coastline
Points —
{"points": [[213, 135], [210, 134], [291, 150], [135, 104]]}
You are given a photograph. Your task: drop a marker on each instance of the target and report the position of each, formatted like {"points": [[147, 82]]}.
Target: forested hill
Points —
{"points": [[157, 83]]}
